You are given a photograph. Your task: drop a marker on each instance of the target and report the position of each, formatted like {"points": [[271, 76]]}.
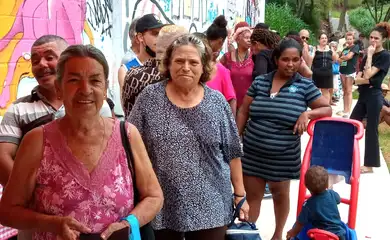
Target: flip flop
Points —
{"points": [[364, 170]]}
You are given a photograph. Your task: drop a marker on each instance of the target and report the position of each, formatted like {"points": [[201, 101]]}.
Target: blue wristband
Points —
{"points": [[134, 227]]}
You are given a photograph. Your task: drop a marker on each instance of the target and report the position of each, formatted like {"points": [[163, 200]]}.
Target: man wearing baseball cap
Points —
{"points": [[147, 29]]}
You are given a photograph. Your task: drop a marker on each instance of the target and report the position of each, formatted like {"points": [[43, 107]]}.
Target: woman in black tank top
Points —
{"points": [[322, 67]]}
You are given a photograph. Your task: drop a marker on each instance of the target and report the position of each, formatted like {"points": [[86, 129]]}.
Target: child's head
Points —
{"points": [[316, 179]]}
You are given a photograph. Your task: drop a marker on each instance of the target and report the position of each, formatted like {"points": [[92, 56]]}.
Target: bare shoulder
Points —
{"points": [[132, 132], [31, 147]]}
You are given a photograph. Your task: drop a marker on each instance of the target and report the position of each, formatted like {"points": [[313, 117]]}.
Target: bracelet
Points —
{"points": [[134, 227], [237, 195]]}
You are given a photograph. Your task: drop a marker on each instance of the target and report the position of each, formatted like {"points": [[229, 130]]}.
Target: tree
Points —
{"points": [[342, 17], [300, 7], [376, 9], [387, 16]]}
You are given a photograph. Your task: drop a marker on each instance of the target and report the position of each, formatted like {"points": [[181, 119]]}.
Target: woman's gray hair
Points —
{"points": [[204, 50], [81, 51]]}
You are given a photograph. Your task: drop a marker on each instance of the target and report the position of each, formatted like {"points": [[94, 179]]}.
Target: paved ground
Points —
{"points": [[373, 206]]}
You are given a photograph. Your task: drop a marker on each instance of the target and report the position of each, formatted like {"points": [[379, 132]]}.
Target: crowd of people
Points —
{"points": [[206, 130]]}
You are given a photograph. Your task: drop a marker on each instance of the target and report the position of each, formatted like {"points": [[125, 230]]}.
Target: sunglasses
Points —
{"points": [[305, 38]]}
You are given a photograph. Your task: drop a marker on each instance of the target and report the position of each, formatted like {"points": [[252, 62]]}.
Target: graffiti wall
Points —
{"points": [[103, 23]]}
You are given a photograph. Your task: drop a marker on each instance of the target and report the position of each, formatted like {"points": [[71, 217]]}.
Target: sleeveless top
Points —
{"points": [[322, 63], [64, 187], [241, 75]]}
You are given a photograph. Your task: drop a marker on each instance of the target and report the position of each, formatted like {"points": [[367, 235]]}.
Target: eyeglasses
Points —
{"points": [[305, 38]]}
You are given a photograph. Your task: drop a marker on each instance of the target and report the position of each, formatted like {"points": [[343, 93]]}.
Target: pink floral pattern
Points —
{"points": [[65, 188]]}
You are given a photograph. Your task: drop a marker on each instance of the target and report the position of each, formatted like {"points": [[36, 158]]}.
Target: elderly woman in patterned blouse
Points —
{"points": [[193, 142], [71, 176]]}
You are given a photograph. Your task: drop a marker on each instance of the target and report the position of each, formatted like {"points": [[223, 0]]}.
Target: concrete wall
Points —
{"points": [[103, 23]]}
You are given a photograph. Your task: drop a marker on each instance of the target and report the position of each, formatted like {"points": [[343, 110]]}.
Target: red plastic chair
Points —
{"points": [[319, 234], [343, 136]]}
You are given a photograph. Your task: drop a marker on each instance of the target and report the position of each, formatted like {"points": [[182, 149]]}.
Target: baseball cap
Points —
{"points": [[148, 22]]}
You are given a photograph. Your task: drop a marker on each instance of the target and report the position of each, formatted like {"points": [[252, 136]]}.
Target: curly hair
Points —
{"points": [[316, 179], [383, 28], [185, 40], [265, 37]]}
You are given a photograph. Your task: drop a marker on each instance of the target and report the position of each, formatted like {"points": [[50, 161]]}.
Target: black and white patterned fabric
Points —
{"points": [[190, 150]]}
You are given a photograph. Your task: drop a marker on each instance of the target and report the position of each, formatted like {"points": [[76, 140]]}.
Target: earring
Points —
{"points": [[59, 98]]}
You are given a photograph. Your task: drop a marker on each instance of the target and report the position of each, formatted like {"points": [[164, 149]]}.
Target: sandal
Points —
{"points": [[340, 113], [365, 169]]}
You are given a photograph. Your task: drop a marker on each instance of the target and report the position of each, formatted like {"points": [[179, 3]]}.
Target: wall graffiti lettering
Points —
{"points": [[91, 21], [100, 16]]}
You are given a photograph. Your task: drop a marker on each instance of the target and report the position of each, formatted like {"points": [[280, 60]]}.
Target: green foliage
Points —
{"points": [[282, 19], [351, 3], [312, 15], [336, 14], [361, 19]]}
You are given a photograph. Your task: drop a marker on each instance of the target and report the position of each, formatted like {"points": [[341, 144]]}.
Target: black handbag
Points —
{"points": [[146, 231]]}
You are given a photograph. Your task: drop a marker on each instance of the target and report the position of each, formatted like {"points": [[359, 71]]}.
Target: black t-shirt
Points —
{"points": [[263, 63], [380, 60], [349, 67]]}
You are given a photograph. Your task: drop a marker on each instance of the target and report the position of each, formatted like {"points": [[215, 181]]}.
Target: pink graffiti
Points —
{"points": [[39, 17]]}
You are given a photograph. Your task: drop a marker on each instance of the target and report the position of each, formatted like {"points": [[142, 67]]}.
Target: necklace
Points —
{"points": [[238, 56]]}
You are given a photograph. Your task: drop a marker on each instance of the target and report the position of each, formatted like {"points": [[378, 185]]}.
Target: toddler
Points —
{"points": [[320, 210]]}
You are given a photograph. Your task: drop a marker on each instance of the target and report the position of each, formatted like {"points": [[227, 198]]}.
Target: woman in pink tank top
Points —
{"points": [[72, 176], [240, 62]]}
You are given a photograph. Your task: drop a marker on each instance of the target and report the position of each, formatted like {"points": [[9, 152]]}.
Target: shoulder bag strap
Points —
{"points": [[129, 156]]}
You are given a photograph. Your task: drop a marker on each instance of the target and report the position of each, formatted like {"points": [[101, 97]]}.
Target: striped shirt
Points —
{"points": [[27, 109], [271, 150]]}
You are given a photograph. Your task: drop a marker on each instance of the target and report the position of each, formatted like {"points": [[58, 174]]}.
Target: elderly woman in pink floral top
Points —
{"points": [[240, 62], [71, 176]]}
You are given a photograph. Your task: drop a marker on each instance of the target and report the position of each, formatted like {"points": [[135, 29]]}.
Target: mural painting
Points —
{"points": [[91, 21]]}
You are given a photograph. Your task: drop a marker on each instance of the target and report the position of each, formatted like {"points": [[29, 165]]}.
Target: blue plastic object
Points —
{"points": [[350, 233], [332, 147]]}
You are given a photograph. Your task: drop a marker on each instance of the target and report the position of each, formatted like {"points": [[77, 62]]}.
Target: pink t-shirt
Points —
{"points": [[223, 83]]}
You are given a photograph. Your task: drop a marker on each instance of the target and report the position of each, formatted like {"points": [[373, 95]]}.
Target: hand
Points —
{"points": [[305, 46], [244, 211], [301, 125], [360, 81], [114, 227], [290, 235], [371, 50], [68, 228]]}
